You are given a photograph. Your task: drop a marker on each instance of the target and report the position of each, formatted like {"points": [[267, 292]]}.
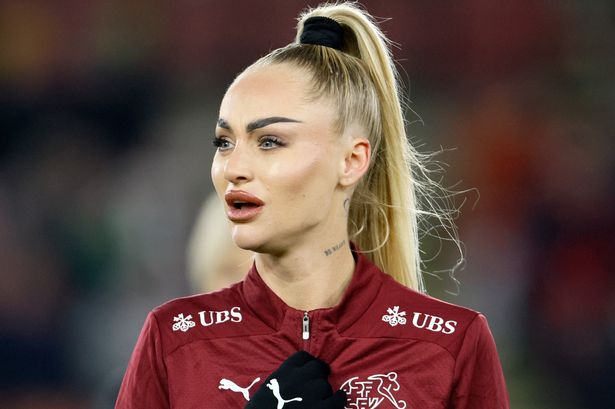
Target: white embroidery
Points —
{"points": [[208, 318], [433, 323], [232, 386], [275, 387], [395, 317], [183, 324], [370, 393]]}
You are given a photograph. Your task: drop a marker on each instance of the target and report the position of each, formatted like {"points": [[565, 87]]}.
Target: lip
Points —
{"points": [[245, 213], [241, 195]]}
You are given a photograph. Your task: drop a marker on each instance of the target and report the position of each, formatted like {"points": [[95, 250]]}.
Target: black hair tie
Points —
{"points": [[320, 30]]}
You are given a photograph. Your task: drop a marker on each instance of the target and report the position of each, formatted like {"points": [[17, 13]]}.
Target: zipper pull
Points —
{"points": [[306, 326]]}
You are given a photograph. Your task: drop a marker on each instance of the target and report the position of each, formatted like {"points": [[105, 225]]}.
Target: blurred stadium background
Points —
{"points": [[107, 108]]}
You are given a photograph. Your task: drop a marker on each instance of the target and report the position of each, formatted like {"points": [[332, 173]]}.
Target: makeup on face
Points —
{"points": [[258, 123], [275, 147], [242, 205], [275, 136]]}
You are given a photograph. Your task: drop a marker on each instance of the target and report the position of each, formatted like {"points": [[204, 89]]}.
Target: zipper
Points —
{"points": [[306, 326]]}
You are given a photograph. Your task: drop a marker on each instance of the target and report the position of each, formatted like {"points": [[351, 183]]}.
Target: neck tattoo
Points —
{"points": [[335, 248]]}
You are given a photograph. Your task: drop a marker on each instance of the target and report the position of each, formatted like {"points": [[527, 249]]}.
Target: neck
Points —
{"points": [[308, 277]]}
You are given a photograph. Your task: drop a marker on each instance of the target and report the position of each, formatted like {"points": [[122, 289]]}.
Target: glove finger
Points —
{"points": [[337, 401], [317, 389], [291, 365], [315, 368], [297, 360]]}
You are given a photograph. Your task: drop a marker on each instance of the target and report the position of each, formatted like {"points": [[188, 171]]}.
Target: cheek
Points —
{"points": [[217, 175], [302, 181]]}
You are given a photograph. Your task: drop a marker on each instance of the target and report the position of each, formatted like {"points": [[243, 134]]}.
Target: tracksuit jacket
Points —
{"points": [[388, 347]]}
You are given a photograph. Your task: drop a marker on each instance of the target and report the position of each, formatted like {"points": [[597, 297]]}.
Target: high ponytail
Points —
{"points": [[362, 81]]}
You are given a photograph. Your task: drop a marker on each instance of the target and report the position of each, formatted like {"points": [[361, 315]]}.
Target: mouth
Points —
{"points": [[240, 198], [242, 212], [242, 206]]}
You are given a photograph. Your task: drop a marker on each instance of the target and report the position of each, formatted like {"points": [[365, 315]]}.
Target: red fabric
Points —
{"points": [[442, 356]]}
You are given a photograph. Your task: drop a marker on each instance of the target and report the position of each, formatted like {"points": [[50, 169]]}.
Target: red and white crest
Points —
{"points": [[371, 392]]}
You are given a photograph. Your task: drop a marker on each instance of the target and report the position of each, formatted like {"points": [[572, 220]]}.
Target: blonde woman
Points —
{"points": [[319, 180]]}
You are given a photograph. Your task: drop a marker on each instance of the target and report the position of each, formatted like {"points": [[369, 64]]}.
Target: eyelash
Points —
{"points": [[219, 141]]}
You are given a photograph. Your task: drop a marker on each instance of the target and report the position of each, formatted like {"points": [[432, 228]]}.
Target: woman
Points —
{"points": [[312, 153]]}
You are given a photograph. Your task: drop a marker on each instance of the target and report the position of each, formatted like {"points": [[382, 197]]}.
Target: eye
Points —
{"points": [[270, 142], [221, 143]]}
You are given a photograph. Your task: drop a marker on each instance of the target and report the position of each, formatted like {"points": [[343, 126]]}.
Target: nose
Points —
{"points": [[237, 168]]}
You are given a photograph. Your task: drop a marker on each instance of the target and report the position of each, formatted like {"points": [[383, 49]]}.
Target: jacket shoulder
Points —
{"points": [[214, 299], [219, 314], [399, 312], [430, 305]]}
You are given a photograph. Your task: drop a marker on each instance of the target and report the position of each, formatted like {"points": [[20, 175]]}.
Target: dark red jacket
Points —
{"points": [[388, 347]]}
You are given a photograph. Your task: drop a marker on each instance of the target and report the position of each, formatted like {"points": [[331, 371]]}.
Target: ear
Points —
{"points": [[356, 161]]}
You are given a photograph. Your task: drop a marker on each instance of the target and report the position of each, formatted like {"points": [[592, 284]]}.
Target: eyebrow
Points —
{"points": [[259, 123]]}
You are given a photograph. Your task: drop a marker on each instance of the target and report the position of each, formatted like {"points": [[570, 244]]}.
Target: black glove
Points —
{"points": [[299, 383]]}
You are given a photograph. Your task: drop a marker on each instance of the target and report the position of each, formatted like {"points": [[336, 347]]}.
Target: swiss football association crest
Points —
{"points": [[371, 392]]}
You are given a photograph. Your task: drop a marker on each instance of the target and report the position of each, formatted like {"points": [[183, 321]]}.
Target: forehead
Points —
{"points": [[272, 90]]}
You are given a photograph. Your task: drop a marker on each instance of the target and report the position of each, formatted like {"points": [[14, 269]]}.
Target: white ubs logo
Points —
{"points": [[395, 316], [429, 322], [217, 317], [433, 323], [182, 323], [207, 318]]}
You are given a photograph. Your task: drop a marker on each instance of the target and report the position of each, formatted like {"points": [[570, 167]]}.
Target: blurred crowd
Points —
{"points": [[107, 110]]}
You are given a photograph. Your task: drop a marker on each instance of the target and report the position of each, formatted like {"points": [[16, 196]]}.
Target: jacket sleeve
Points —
{"points": [[478, 378], [145, 381]]}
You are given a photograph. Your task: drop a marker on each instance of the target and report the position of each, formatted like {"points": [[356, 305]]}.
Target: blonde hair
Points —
{"points": [[362, 81], [212, 258]]}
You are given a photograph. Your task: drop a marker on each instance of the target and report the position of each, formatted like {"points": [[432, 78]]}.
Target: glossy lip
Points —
{"points": [[245, 213], [243, 196]]}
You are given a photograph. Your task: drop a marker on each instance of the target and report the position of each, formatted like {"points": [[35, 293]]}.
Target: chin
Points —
{"points": [[252, 241], [246, 239]]}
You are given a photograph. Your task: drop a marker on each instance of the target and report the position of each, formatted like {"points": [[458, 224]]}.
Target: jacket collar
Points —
{"points": [[357, 298]]}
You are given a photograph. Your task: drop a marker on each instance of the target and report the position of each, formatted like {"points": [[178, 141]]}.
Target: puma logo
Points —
{"points": [[232, 386], [275, 387]]}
